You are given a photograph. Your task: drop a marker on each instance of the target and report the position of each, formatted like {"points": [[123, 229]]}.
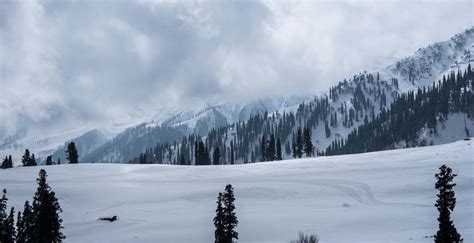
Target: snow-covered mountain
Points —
{"points": [[432, 62], [347, 105], [419, 70], [168, 125]]}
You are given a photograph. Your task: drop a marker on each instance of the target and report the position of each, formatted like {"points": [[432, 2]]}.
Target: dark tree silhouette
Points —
{"points": [[7, 162], [219, 233], [46, 209], [49, 160], [230, 219], [216, 156], [24, 224], [445, 204], [72, 155]]}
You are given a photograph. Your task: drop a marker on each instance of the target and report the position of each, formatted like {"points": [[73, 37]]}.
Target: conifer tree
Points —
{"points": [[299, 143], [445, 204], [46, 209], [49, 160], [72, 155], [24, 224], [219, 233], [308, 144], [32, 161], [278, 148], [263, 146], [216, 156], [25, 159], [10, 226], [230, 219], [232, 152], [271, 153], [7, 162], [4, 235], [294, 146]]}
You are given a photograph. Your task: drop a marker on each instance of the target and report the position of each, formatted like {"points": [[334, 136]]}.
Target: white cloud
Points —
{"points": [[95, 61]]}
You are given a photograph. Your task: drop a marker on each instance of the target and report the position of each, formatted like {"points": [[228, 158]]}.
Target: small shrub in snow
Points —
{"points": [[302, 238]]}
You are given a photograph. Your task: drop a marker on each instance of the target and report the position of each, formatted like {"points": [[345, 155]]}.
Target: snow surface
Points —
{"points": [[374, 197]]}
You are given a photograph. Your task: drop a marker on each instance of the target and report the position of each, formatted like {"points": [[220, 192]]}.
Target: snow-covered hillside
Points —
{"points": [[374, 197], [430, 63]]}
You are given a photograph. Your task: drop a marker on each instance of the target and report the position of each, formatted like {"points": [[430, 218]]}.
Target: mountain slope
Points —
{"points": [[430, 63], [331, 117], [374, 197]]}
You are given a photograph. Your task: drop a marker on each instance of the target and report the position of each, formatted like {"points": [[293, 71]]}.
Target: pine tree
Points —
{"points": [[263, 146], [327, 130], [308, 144], [49, 160], [278, 148], [232, 152], [24, 224], [32, 161], [46, 209], [445, 204], [25, 159], [219, 233], [271, 153], [216, 156], [299, 143], [230, 219], [10, 226], [4, 234], [72, 155], [7, 162]]}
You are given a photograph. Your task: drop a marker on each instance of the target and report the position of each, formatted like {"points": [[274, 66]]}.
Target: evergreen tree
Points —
{"points": [[4, 232], [299, 143], [263, 146], [327, 130], [49, 160], [72, 155], [232, 152], [216, 156], [271, 153], [25, 159], [219, 233], [445, 204], [24, 224], [10, 226], [294, 146], [278, 148], [46, 209], [308, 144], [32, 161], [7, 162], [230, 219]]}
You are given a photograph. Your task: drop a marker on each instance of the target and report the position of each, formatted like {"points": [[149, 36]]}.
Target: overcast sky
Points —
{"points": [[97, 61]]}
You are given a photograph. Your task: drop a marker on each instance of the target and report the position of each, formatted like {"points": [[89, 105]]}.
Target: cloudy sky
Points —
{"points": [[98, 61]]}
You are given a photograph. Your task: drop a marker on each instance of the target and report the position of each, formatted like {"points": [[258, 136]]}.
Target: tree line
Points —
{"points": [[28, 158], [409, 113]]}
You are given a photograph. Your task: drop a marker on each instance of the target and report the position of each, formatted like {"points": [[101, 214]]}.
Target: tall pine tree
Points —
{"points": [[445, 204], [230, 219], [24, 224], [72, 155], [219, 233], [46, 209]]}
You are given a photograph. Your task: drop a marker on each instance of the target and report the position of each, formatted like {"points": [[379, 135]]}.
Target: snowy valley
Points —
{"points": [[373, 197]]}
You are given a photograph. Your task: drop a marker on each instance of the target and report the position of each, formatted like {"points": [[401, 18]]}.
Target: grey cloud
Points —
{"points": [[72, 63]]}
